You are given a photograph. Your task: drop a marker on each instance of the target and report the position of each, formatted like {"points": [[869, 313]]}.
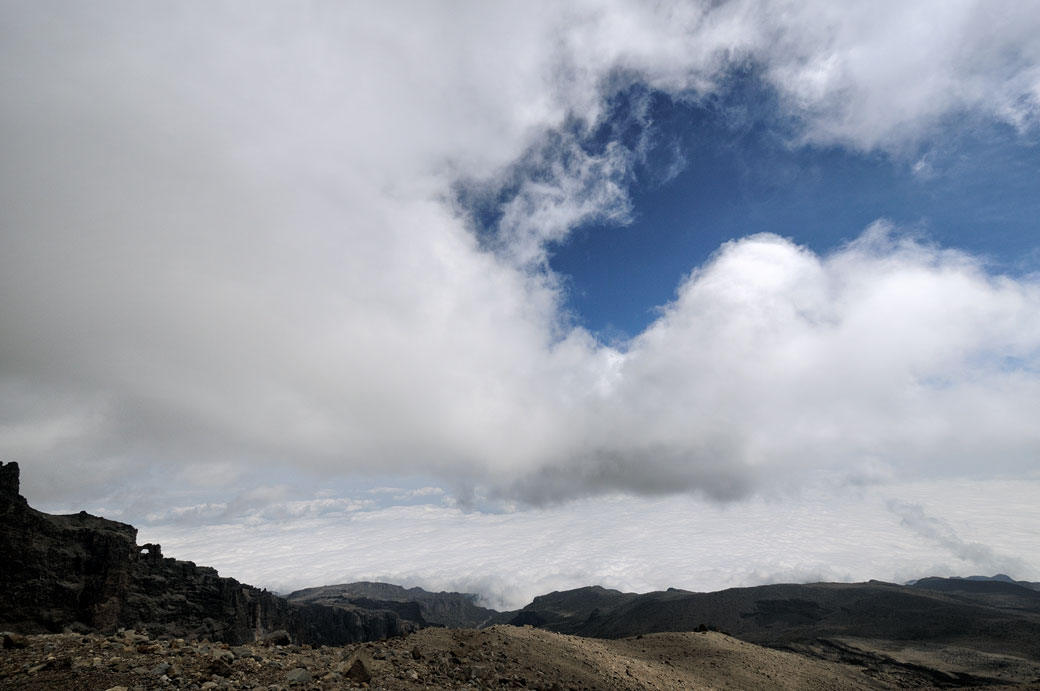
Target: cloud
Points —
{"points": [[252, 507], [230, 245], [629, 543], [889, 74], [936, 530], [563, 187], [886, 354]]}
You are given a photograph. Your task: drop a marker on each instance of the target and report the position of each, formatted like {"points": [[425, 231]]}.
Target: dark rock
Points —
{"points": [[279, 637], [220, 667], [10, 483], [298, 676], [83, 572], [357, 667], [452, 610], [13, 640], [223, 655]]}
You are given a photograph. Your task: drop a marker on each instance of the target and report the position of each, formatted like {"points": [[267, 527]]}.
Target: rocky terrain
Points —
{"points": [[950, 631], [85, 573], [83, 606], [437, 658], [453, 610]]}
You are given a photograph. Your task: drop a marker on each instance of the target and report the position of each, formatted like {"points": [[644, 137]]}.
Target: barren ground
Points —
{"points": [[498, 657]]}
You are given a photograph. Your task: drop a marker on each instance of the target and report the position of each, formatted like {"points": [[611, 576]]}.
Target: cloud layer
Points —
{"points": [[230, 244], [895, 533]]}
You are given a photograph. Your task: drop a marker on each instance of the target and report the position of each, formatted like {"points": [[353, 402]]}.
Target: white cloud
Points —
{"points": [[888, 73], [572, 187], [773, 360], [228, 247], [636, 544], [980, 556]]}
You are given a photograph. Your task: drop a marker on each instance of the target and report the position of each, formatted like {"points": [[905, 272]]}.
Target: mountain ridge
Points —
{"points": [[940, 610]]}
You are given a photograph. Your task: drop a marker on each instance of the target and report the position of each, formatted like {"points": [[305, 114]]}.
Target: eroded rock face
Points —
{"points": [[60, 571], [86, 573], [453, 610]]}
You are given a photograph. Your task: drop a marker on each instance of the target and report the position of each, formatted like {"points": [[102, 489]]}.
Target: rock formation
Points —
{"points": [[86, 573], [452, 610]]}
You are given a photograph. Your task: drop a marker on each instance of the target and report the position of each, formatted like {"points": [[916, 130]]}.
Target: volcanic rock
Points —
{"points": [[85, 573]]}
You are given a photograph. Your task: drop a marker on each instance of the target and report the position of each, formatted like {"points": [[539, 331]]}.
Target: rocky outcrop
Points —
{"points": [[60, 571], [86, 573], [185, 600], [425, 608]]}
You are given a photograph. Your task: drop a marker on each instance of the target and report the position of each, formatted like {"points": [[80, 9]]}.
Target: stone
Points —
{"points": [[221, 667], [223, 656], [298, 676], [14, 640], [244, 652], [357, 667], [279, 637]]}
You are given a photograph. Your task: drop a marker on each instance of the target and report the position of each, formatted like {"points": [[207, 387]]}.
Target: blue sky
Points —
{"points": [[971, 185], [287, 273]]}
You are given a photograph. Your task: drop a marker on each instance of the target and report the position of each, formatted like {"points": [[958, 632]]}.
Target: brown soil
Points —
{"points": [[498, 657]]}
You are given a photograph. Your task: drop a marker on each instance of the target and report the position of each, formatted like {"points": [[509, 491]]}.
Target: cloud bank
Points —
{"points": [[231, 244], [894, 533]]}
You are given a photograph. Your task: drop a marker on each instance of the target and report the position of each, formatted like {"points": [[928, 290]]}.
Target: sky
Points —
{"points": [[515, 297]]}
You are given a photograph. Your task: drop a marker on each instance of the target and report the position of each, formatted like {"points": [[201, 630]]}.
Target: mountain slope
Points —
{"points": [[1001, 622]]}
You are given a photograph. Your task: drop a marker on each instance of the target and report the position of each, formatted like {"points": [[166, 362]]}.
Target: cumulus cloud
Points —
{"points": [[887, 354], [230, 243]]}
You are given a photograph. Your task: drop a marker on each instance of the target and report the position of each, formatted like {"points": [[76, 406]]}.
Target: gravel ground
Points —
{"points": [[498, 657]]}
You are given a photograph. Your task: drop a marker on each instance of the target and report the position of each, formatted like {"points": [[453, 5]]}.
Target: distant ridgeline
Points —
{"points": [[994, 616], [84, 573], [451, 610]]}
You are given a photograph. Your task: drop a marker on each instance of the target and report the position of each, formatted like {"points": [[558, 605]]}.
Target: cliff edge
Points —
{"points": [[85, 573]]}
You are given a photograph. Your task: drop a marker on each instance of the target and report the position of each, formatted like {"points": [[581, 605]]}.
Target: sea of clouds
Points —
{"points": [[233, 247], [635, 544]]}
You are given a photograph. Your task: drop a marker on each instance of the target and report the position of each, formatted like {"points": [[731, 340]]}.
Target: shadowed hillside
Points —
{"points": [[998, 617]]}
